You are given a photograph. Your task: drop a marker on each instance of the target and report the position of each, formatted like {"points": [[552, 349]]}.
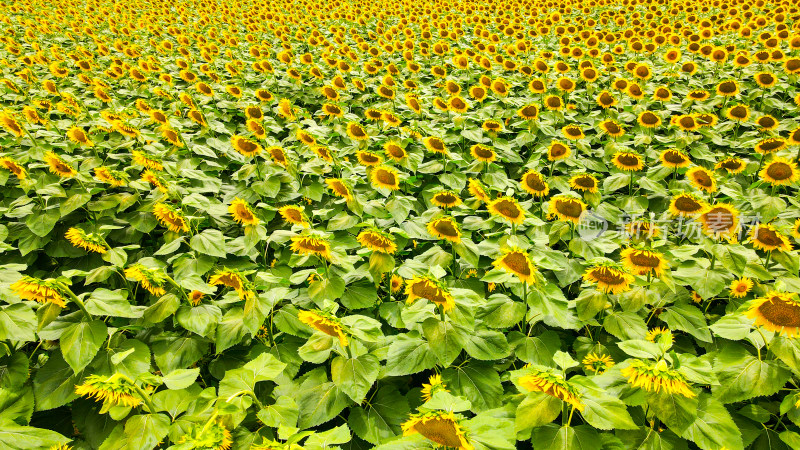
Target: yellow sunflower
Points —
{"points": [[778, 312], [294, 215], [428, 288], [766, 237], [508, 209], [741, 287], [557, 151], [38, 290], [686, 205], [780, 171], [88, 241], [702, 179], [377, 241], [584, 182], [566, 209], [434, 145], [643, 262], [554, 385], [58, 166], [517, 262], [311, 245], [445, 228], [720, 220], [657, 377], [171, 218], [534, 183], [441, 427], [385, 177], [325, 323], [609, 277], [477, 190]]}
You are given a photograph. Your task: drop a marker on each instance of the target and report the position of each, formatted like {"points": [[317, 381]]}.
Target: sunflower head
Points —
{"points": [[534, 183], [445, 199], [778, 312], [214, 436], [434, 385], [311, 244], [643, 262], [557, 151], [445, 228], [171, 218], [58, 166], [112, 391], [377, 241], [431, 289], [294, 215], [325, 323], [235, 280], [741, 287], [584, 182], [14, 167], [441, 427], [435, 145], [477, 190], [245, 146], [655, 377], [552, 384], [41, 291], [766, 237], [88, 241], [720, 220], [153, 280], [627, 161], [598, 364], [517, 262], [780, 171], [702, 179], [609, 277], [507, 208]]}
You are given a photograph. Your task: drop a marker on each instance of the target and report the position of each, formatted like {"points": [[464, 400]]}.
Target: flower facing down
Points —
{"points": [[88, 241], [597, 363], [152, 280], [441, 427], [171, 218], [42, 291], [242, 212], [434, 385], [112, 391], [13, 167], [234, 280], [609, 278], [778, 312], [377, 241], [656, 377], [324, 323], [518, 263], [429, 289], [311, 245], [553, 385], [212, 437]]}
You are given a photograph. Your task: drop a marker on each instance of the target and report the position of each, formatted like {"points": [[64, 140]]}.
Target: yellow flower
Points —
{"points": [[686, 205], [584, 183], [528, 112], [627, 161], [609, 278], [42, 291], [58, 166], [572, 132], [477, 190], [242, 212], [113, 391], [778, 312], [171, 218], [597, 363], [780, 171], [702, 179], [430, 289], [78, 136], [657, 377], [245, 146], [151, 279], [434, 145], [557, 151], [766, 237], [154, 180], [434, 385], [612, 128], [533, 183], [517, 262], [13, 167], [445, 199], [11, 124], [324, 323], [213, 436], [311, 245], [234, 280], [741, 287], [483, 153], [733, 165], [377, 241], [659, 334], [649, 119], [87, 241], [148, 161], [441, 427], [643, 262], [445, 228], [566, 208], [720, 220], [356, 132], [553, 385], [508, 209]]}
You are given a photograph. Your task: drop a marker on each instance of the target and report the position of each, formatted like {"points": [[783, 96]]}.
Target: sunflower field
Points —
{"points": [[351, 224]]}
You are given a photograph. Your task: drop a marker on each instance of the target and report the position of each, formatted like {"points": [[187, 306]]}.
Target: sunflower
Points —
{"points": [[213, 436], [278, 156], [285, 109], [340, 188], [434, 385], [492, 126], [311, 245], [733, 165], [434, 145], [627, 161], [727, 88], [770, 145], [584, 182], [58, 166], [152, 280], [148, 161], [537, 86], [766, 79], [356, 131], [593, 362], [508, 209], [698, 94], [686, 122], [394, 151], [11, 125], [112, 391], [766, 237], [611, 128], [385, 177], [643, 262], [483, 153], [702, 179], [13, 167], [572, 132], [741, 287], [429, 288], [686, 205], [778, 312], [528, 112], [517, 262], [553, 385], [656, 377], [557, 151], [368, 159], [171, 218], [794, 137], [245, 146], [445, 199], [377, 241], [659, 334], [87, 241], [533, 183], [720, 220], [553, 103], [478, 93], [38, 290], [441, 427], [477, 190], [292, 214], [609, 277], [445, 228], [457, 104], [324, 323], [196, 117], [606, 100], [675, 159], [234, 280], [662, 94], [332, 110], [566, 208], [78, 136], [649, 119], [780, 171], [767, 123]]}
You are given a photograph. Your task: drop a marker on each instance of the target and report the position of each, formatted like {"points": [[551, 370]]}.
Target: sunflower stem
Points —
{"points": [[176, 286], [713, 261], [766, 262], [75, 299], [141, 392]]}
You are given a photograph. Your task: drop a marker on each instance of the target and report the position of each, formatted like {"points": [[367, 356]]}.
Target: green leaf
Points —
{"points": [[355, 376], [319, 404], [553, 437], [535, 410], [73, 203], [41, 224], [443, 338], [14, 370], [675, 410], [478, 382], [283, 412], [231, 329], [486, 345], [360, 295], [535, 349], [743, 376], [180, 378], [81, 341], [329, 438], [787, 349], [17, 323], [499, 311], [172, 352], [264, 367], [379, 419], [713, 427], [201, 319], [145, 431], [13, 436], [329, 288], [103, 302], [209, 242], [734, 327], [688, 318], [603, 411], [54, 384], [409, 354]]}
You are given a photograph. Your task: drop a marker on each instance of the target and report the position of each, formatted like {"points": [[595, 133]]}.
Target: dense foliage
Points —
{"points": [[403, 225]]}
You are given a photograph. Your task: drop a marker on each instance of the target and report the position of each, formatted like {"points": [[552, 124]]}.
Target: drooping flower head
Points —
{"points": [[14, 167], [553, 385], [242, 212], [41, 291], [377, 241], [294, 215], [88, 241], [655, 377], [311, 245], [325, 323], [441, 427], [171, 218], [597, 363], [212, 437], [434, 385], [153, 280], [58, 166], [235, 280], [112, 391], [428, 288]]}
